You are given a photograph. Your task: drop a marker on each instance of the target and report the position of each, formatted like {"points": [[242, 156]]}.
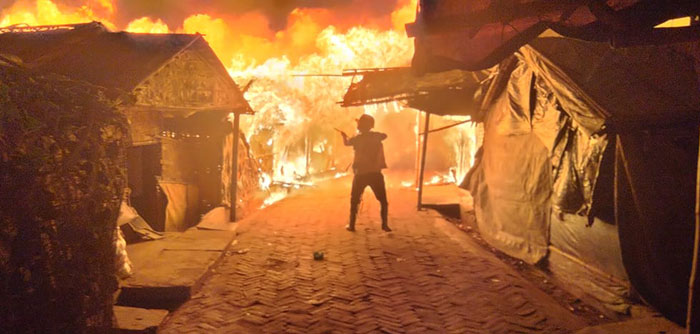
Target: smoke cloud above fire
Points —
{"points": [[260, 29], [276, 12]]}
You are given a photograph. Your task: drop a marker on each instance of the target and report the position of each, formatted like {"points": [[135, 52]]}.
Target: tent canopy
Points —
{"points": [[444, 93], [624, 89]]}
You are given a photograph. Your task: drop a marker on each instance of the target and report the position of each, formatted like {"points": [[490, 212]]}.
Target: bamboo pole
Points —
{"points": [[616, 182], [234, 166], [422, 161], [307, 155], [417, 164], [693, 317], [588, 266]]}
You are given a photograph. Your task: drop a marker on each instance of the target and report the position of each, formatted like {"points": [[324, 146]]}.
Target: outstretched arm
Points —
{"points": [[346, 141]]}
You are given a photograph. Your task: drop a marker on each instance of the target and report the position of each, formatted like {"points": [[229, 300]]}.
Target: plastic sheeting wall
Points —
{"points": [[533, 186], [182, 209], [649, 96], [655, 206], [603, 276], [554, 113], [512, 181]]}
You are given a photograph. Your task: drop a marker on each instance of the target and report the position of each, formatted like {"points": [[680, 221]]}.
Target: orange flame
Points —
{"points": [[288, 107], [47, 12], [147, 25]]}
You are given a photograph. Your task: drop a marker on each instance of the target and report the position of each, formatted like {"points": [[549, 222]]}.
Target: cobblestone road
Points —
{"points": [[425, 277]]}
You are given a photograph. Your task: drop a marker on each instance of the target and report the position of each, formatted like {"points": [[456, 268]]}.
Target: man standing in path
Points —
{"points": [[367, 166]]}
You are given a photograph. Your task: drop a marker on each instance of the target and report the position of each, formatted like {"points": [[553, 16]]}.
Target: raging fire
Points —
{"points": [[291, 136]]}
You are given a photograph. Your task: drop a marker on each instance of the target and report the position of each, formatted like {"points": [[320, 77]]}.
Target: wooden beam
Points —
{"points": [[616, 182], [422, 161], [692, 322], [417, 162], [234, 166]]}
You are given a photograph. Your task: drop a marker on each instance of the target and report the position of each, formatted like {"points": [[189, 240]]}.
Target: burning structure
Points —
{"points": [[291, 135], [181, 94], [590, 153]]}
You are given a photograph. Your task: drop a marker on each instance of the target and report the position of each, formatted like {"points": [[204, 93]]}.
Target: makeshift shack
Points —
{"points": [[589, 161], [181, 96]]}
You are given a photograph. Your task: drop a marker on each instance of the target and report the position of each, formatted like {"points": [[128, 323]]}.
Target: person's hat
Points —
{"points": [[366, 120]]}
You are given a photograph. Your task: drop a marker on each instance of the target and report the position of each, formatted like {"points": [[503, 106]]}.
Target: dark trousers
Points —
{"points": [[359, 183]]}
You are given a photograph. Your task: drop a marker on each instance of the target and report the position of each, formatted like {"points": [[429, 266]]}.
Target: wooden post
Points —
{"points": [[234, 165], [307, 154], [616, 182], [417, 165], [422, 161], [692, 322]]}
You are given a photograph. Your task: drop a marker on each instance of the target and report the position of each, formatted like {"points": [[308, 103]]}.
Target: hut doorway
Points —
{"points": [[144, 170]]}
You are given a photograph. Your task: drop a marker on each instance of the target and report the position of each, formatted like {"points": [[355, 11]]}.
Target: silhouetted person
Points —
{"points": [[367, 166]]}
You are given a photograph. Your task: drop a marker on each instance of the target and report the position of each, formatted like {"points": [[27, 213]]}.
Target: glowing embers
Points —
{"points": [[274, 197], [278, 190]]}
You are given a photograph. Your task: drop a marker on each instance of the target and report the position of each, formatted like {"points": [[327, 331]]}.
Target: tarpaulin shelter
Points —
{"points": [[181, 95], [588, 159], [560, 137], [630, 151]]}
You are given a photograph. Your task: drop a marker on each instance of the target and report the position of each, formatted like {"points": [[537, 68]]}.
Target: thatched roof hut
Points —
{"points": [[181, 96]]}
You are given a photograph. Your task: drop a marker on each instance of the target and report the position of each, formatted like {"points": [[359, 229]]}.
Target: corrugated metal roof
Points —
{"points": [[444, 93]]}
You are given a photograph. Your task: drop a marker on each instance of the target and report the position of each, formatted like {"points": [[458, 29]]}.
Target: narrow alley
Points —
{"points": [[426, 276], [191, 166]]}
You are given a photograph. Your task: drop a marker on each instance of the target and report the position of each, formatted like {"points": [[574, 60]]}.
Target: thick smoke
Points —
{"points": [[259, 28], [5, 4], [173, 12]]}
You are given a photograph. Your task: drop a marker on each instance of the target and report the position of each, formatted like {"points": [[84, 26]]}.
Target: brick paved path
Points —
{"points": [[425, 277]]}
